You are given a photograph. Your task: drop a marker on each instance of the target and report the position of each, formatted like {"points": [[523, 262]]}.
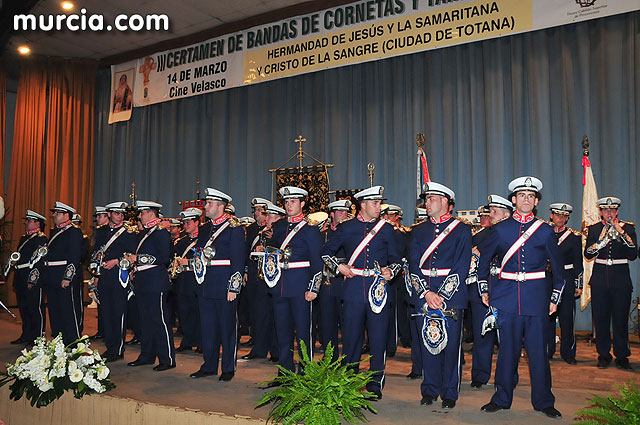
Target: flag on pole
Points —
{"points": [[422, 176], [590, 216]]}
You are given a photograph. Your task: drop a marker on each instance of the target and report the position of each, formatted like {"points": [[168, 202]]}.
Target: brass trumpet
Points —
{"points": [[611, 231], [209, 252], [176, 268]]}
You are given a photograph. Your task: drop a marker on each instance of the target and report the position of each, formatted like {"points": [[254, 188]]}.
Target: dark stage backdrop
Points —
{"points": [[490, 110]]}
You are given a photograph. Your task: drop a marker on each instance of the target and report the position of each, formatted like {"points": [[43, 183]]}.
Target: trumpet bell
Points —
{"points": [[14, 257], [318, 218], [209, 252], [124, 263]]}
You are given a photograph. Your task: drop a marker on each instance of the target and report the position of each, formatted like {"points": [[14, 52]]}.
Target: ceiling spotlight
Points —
{"points": [[24, 50], [67, 5]]}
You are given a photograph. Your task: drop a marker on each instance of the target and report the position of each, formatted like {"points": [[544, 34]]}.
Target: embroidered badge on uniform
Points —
{"points": [[555, 296], [271, 269], [434, 334], [449, 286], [378, 294], [34, 276], [199, 268], [235, 282], [70, 272], [316, 281], [475, 260]]}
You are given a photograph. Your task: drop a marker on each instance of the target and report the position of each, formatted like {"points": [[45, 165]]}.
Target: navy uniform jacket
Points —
{"points": [[382, 248], [449, 262], [67, 248], [616, 275], [306, 245], [229, 246], [31, 243], [126, 242], [186, 281], [532, 296], [251, 268], [152, 260], [571, 255]]}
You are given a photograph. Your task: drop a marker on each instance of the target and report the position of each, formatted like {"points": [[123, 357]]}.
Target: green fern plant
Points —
{"points": [[327, 392], [620, 409]]}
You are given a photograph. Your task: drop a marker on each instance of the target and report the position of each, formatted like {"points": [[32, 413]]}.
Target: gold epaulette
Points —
{"points": [[101, 225], [464, 220], [575, 232], [234, 222], [627, 222], [404, 229], [418, 222], [130, 228], [178, 239]]}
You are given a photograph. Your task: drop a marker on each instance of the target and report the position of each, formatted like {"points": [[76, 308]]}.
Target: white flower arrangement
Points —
{"points": [[50, 368]]}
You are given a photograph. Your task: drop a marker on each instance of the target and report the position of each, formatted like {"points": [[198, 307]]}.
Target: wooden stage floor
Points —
{"points": [[572, 385]]}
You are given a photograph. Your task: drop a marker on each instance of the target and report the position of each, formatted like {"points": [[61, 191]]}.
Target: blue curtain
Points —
{"points": [[490, 110]]}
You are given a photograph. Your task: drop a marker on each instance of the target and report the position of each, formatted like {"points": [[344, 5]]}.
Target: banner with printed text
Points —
{"points": [[353, 33]]}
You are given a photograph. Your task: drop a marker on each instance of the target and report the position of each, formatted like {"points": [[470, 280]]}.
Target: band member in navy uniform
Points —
{"points": [[59, 267], [111, 242], [102, 219], [29, 296], [440, 256], [330, 297], [185, 282], [522, 296], [570, 243], [300, 275], [612, 243], [372, 261], [260, 309], [221, 284], [151, 281], [76, 219], [499, 209]]}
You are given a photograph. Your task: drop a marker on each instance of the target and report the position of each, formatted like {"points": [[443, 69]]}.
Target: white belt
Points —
{"points": [[145, 267], [295, 265], [611, 261], [522, 276], [435, 272], [22, 266], [363, 272], [495, 271], [568, 266], [218, 262], [55, 263]]}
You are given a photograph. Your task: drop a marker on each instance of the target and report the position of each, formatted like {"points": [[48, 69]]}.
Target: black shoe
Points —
{"points": [[447, 403], [623, 364], [365, 349], [110, 358], [20, 340], [477, 384], [391, 354], [183, 348], [133, 341], [163, 366], [138, 363], [202, 374], [250, 356], [413, 376], [405, 343], [247, 344], [227, 376], [198, 350], [97, 335], [603, 363], [551, 412], [375, 395], [427, 400], [492, 407], [570, 360], [274, 359]]}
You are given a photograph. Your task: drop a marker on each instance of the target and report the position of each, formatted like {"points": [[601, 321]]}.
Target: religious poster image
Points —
{"points": [[122, 86]]}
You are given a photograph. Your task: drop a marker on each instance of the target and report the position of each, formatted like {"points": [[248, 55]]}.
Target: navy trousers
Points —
{"points": [[482, 345], [566, 317], [415, 327], [441, 372], [113, 298], [512, 330], [219, 323], [32, 311], [330, 318], [157, 335], [189, 316], [610, 307], [291, 315], [356, 315], [62, 311]]}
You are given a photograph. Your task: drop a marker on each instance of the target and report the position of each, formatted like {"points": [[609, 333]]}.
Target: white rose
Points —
{"points": [[76, 376]]}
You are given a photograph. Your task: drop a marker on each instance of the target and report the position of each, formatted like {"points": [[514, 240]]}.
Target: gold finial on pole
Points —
{"points": [[585, 145], [371, 166], [198, 189], [300, 140], [133, 194]]}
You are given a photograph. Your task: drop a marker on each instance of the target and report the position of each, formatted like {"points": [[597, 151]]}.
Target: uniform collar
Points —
{"points": [[296, 218], [560, 229], [152, 223], [361, 218], [115, 227], [63, 224], [442, 218], [523, 219], [32, 231], [220, 219], [194, 235]]}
